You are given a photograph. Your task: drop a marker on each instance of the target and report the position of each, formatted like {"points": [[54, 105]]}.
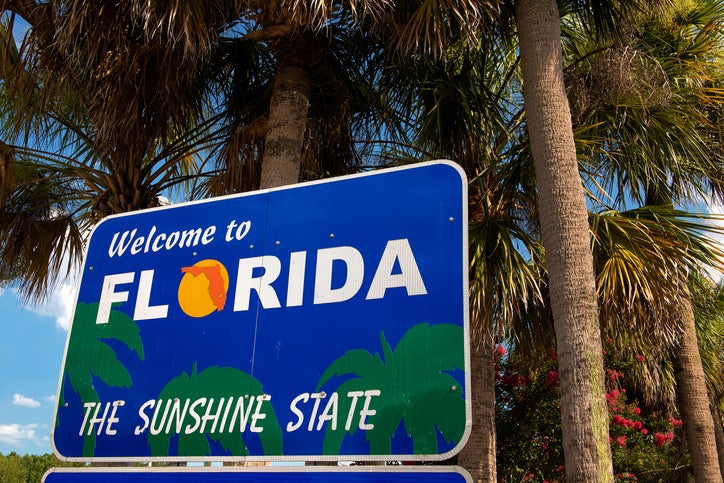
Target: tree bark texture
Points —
{"points": [[566, 239], [719, 433], [478, 455], [693, 401], [288, 111]]}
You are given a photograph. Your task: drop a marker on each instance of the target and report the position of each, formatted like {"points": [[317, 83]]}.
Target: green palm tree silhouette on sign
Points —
{"points": [[232, 395], [88, 357], [415, 388]]}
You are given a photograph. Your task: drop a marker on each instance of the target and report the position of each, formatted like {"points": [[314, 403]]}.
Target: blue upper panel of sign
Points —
{"points": [[322, 320]]}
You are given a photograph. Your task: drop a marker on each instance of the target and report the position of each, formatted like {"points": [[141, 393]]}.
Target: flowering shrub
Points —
{"points": [[644, 447]]}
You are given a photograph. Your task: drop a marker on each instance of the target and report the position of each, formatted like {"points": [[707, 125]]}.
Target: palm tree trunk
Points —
{"points": [[566, 238], [719, 433], [288, 112], [478, 455], [288, 109], [694, 402]]}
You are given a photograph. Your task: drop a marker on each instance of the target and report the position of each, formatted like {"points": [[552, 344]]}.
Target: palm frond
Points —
{"points": [[642, 259]]}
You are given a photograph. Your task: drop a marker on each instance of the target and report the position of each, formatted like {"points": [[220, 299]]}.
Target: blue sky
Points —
{"points": [[32, 343]]}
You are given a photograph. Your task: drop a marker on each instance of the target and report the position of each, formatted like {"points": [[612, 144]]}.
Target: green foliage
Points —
{"points": [[646, 446], [413, 389], [647, 449], [528, 423], [29, 468], [12, 469]]}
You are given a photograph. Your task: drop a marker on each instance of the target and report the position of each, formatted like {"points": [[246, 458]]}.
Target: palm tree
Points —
{"points": [[188, 82], [565, 236], [82, 372], [418, 391], [707, 301], [64, 169], [466, 111], [656, 111], [220, 384]]}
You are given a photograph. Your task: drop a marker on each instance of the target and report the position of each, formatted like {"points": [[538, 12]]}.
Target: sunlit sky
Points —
{"points": [[32, 342]]}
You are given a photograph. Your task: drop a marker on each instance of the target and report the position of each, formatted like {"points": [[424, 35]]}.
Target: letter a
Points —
{"points": [[409, 276]]}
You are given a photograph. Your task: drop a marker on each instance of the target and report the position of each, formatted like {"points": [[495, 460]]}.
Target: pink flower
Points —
{"points": [[662, 439], [613, 375], [621, 441], [500, 350], [644, 431], [640, 358], [552, 378], [637, 410]]}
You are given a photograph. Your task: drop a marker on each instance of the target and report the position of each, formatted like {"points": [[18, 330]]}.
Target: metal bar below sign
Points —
{"points": [[271, 474]]}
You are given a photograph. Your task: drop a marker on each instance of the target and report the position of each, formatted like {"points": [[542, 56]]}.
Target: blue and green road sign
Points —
{"points": [[325, 320]]}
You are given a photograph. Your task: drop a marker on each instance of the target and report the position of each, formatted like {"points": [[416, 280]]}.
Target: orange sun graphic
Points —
{"points": [[203, 288]]}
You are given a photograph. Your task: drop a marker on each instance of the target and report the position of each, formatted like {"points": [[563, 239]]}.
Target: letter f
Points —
{"points": [[109, 295]]}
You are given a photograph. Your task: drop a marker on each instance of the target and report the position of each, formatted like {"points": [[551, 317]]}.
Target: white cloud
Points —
{"points": [[17, 434], [26, 402], [58, 305], [50, 399]]}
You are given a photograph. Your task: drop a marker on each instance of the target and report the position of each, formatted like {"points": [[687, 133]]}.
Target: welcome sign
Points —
{"points": [[325, 320]]}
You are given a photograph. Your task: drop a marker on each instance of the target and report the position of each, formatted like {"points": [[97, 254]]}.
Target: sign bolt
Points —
{"points": [[453, 388], [331, 235], [451, 219], [277, 243]]}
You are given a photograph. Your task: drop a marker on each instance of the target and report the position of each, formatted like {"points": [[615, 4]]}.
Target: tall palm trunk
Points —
{"points": [[719, 433], [288, 111], [478, 455], [694, 402], [691, 391], [565, 236]]}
